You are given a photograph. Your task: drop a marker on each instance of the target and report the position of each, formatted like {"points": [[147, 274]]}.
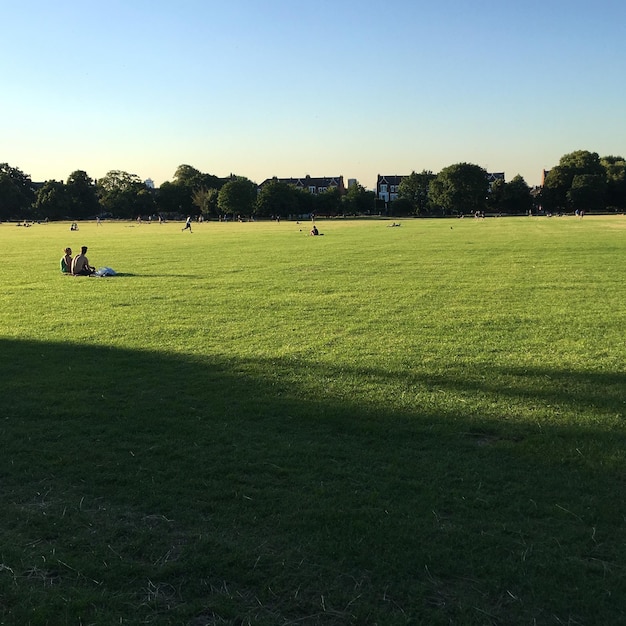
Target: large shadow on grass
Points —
{"points": [[175, 489]]}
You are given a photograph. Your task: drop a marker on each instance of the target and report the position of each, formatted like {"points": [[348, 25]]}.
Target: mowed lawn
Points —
{"points": [[413, 425]]}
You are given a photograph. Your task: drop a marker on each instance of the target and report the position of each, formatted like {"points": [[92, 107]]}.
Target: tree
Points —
{"points": [[179, 196], [52, 201], [460, 188], [186, 175], [496, 200], [174, 199], [206, 201], [237, 197], [415, 188], [582, 162], [513, 198], [328, 202], [278, 198], [401, 207], [358, 200], [557, 194], [587, 192], [82, 196], [125, 195], [16, 193], [615, 168]]}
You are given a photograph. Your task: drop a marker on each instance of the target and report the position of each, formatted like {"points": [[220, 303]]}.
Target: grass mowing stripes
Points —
{"points": [[380, 425]]}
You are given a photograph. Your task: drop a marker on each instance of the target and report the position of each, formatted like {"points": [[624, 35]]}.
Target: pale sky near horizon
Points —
{"points": [[286, 88]]}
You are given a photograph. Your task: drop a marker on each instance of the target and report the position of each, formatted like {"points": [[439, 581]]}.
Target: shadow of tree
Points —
{"points": [[225, 489]]}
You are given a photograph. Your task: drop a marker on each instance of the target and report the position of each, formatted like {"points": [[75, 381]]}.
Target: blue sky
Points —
{"points": [[287, 88]]}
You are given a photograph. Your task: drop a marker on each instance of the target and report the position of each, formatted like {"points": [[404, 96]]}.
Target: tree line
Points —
{"points": [[581, 181]]}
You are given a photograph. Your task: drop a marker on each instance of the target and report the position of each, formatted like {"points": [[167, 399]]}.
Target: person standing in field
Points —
{"points": [[80, 264], [66, 261], [188, 224]]}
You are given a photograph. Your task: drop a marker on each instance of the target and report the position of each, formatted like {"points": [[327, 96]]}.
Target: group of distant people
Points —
{"points": [[78, 265]]}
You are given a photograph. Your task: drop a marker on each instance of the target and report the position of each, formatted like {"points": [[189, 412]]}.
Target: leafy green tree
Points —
{"points": [[206, 201], [416, 188], [52, 201], [401, 207], [125, 195], [328, 202], [582, 162], [557, 193], [16, 193], [358, 200], [518, 196], [555, 188], [194, 179], [186, 175], [587, 192], [179, 196], [237, 197], [460, 188], [174, 199], [513, 197], [615, 168], [82, 196], [496, 197], [306, 202], [278, 198]]}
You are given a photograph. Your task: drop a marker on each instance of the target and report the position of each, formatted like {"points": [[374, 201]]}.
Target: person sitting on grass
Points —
{"points": [[314, 230], [66, 261], [80, 264]]}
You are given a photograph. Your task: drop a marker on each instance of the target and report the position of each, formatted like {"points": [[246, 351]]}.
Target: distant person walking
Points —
{"points": [[188, 224]]}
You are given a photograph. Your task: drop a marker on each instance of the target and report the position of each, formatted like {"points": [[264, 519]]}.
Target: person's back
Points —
{"points": [[66, 261], [80, 264]]}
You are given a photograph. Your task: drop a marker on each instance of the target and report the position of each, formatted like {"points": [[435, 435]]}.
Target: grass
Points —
{"points": [[406, 425]]}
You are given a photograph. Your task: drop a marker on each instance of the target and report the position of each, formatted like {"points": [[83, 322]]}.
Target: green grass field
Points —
{"points": [[414, 425]]}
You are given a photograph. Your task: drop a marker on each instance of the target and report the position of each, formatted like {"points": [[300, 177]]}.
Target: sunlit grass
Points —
{"points": [[251, 425]]}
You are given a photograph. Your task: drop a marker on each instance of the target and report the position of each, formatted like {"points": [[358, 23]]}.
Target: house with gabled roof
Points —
{"points": [[314, 185], [492, 177], [387, 187]]}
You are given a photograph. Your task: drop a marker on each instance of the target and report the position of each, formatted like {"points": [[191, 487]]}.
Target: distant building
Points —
{"points": [[387, 187], [492, 177], [311, 184], [149, 183]]}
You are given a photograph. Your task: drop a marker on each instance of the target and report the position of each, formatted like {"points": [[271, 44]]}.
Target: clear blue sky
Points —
{"points": [[288, 88]]}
